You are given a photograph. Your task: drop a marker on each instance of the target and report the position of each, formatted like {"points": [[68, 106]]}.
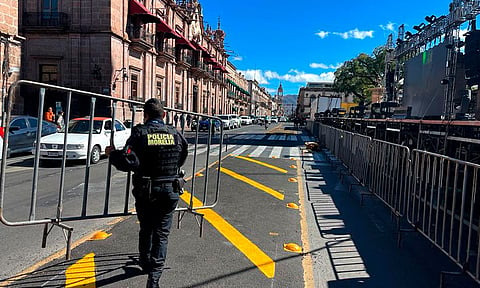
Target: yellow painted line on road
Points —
{"points": [[255, 184], [307, 262], [242, 243], [263, 164], [82, 273]]}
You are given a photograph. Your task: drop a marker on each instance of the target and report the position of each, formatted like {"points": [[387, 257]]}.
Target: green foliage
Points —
{"points": [[357, 76]]}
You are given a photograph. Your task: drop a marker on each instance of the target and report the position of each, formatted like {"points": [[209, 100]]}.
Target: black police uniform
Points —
{"points": [[161, 151]]}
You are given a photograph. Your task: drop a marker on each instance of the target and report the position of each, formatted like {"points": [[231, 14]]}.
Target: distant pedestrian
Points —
{"points": [[49, 115], [60, 121], [175, 119], [189, 120], [182, 121]]}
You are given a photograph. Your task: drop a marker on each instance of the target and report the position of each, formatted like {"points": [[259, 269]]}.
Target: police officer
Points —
{"points": [[161, 151]]}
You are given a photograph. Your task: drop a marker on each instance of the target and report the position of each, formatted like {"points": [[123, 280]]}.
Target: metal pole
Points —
{"points": [[64, 158], [33, 201], [129, 174], [109, 165], [89, 156]]}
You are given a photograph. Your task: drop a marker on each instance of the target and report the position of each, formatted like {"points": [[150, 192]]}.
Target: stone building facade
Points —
{"points": [[261, 100], [239, 97], [130, 49], [10, 48]]}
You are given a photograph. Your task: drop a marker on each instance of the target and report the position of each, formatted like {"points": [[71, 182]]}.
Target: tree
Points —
{"points": [[357, 76]]}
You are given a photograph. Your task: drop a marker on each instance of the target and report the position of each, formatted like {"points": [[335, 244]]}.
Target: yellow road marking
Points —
{"points": [[307, 258], [82, 273], [242, 243], [255, 184], [263, 164]]}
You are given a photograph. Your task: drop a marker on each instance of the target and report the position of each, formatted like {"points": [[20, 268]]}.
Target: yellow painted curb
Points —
{"points": [[82, 273]]}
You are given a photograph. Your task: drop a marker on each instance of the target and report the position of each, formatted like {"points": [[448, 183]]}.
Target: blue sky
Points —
{"points": [[294, 42]]}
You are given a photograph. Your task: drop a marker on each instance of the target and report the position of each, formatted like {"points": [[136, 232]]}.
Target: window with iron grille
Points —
{"points": [[49, 73], [177, 94], [160, 94], [134, 93], [49, 7]]}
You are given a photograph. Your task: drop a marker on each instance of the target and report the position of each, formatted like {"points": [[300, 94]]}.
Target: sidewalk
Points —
{"points": [[356, 246]]}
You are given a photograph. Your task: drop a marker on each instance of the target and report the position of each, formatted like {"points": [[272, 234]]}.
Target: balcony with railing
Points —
{"points": [[51, 21], [140, 37], [165, 51], [198, 67], [183, 58]]}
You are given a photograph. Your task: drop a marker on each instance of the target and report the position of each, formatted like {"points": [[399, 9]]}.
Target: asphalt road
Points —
{"points": [[249, 239]]}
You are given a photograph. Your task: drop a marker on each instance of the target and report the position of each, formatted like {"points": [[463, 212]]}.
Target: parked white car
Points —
{"points": [[51, 146], [236, 120], [227, 120], [246, 120]]}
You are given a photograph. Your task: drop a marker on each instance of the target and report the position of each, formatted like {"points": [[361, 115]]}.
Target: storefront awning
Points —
{"points": [[137, 9], [212, 60], [220, 67], [238, 87], [182, 41], [204, 50], [165, 28]]}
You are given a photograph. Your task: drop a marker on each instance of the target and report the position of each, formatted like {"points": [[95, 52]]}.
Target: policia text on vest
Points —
{"points": [[158, 139]]}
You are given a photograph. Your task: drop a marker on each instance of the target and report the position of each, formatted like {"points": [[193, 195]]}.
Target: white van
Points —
{"points": [[246, 120], [236, 120], [227, 121]]}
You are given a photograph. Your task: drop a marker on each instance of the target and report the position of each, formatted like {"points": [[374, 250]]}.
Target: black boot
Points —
{"points": [[152, 282]]}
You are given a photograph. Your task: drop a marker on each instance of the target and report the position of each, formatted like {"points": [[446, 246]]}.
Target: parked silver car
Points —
{"points": [[23, 132]]}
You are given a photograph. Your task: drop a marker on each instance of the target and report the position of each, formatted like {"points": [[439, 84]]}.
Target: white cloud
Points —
{"points": [[324, 66], [252, 74], [389, 27], [322, 34], [355, 33], [237, 58], [293, 76]]}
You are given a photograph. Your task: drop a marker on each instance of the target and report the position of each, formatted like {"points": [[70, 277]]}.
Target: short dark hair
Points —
{"points": [[153, 108]]}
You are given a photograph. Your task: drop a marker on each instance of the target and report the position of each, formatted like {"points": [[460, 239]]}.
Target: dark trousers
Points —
{"points": [[155, 212]]}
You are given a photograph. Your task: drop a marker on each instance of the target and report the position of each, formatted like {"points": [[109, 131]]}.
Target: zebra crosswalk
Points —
{"points": [[254, 151], [273, 137]]}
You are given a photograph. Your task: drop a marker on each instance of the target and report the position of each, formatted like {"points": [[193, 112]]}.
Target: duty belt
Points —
{"points": [[159, 179], [177, 181]]}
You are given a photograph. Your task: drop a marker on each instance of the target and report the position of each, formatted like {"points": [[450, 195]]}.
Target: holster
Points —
{"points": [[145, 183], [178, 185]]}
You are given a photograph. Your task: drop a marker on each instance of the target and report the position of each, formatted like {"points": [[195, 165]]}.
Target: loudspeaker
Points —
{"points": [[472, 54]]}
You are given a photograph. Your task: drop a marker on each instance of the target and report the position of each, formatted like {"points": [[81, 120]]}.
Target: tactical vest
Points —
{"points": [[160, 151]]}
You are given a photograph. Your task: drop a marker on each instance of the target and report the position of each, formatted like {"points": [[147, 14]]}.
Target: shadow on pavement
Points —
{"points": [[109, 269]]}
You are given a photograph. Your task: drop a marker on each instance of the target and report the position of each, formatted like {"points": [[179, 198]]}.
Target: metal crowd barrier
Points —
{"points": [[444, 205], [359, 164], [389, 164], [119, 199], [436, 194]]}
